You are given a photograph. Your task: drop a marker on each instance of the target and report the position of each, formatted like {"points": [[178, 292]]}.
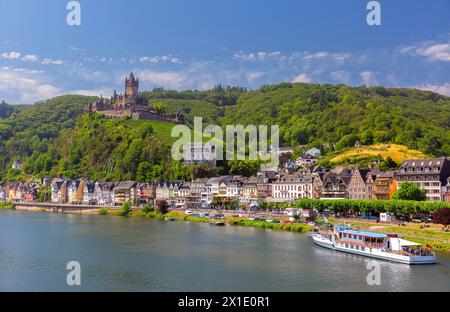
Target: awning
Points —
{"points": [[405, 243]]}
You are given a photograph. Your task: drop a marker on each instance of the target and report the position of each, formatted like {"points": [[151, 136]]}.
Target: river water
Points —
{"points": [[132, 254]]}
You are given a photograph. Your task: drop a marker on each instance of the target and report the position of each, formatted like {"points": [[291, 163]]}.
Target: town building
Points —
{"points": [[385, 186], [125, 192], [200, 154], [105, 193], [430, 174], [336, 184], [89, 193], [306, 161], [447, 191], [59, 192], [361, 184], [17, 165], [292, 187], [313, 152]]}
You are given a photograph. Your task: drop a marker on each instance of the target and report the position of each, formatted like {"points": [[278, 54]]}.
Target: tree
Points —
{"points": [[410, 191], [442, 216], [388, 164], [163, 207], [126, 209], [160, 107]]}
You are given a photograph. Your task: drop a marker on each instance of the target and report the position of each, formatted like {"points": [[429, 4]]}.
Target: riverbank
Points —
{"points": [[230, 220], [432, 235]]}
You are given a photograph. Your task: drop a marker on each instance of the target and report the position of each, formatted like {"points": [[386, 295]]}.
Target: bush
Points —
{"points": [[148, 208], [442, 216], [6, 206], [125, 211], [103, 212], [163, 207]]}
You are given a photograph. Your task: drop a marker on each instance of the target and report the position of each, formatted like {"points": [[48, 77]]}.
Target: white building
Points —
{"points": [[314, 152], [306, 161], [292, 187], [200, 153]]}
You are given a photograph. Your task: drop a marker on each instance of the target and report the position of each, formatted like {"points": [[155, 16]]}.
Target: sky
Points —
{"points": [[197, 44]]}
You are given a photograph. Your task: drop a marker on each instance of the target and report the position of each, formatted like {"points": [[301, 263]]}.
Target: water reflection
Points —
{"points": [[119, 254]]}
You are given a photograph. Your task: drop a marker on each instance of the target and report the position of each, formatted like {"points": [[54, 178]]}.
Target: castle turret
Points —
{"points": [[132, 87]]}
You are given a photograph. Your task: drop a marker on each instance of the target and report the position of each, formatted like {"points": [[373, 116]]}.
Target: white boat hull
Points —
{"points": [[375, 253]]}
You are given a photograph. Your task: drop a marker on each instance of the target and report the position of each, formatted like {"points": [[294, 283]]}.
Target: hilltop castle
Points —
{"points": [[130, 104]]}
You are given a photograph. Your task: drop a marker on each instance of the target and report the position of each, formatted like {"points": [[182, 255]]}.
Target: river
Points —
{"points": [[132, 254]]}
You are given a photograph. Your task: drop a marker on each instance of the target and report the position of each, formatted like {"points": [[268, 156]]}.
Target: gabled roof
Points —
{"points": [[126, 185]]}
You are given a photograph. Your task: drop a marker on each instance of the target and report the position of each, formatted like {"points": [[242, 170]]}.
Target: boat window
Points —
{"points": [[346, 245]]}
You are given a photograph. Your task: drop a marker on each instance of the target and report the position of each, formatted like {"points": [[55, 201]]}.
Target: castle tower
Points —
{"points": [[132, 87]]}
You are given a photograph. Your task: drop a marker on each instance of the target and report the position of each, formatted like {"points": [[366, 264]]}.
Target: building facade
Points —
{"points": [[430, 174]]}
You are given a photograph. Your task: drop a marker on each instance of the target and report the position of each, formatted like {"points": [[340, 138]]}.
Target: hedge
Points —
{"points": [[377, 206]]}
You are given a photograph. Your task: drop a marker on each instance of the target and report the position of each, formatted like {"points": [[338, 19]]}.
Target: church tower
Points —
{"points": [[131, 87]]}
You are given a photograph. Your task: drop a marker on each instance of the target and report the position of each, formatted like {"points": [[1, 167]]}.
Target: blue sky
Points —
{"points": [[199, 43]]}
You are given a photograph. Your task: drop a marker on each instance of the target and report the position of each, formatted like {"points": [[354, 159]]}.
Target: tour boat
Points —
{"points": [[375, 245]]}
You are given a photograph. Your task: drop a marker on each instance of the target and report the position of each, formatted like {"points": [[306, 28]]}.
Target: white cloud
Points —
{"points": [[432, 51], [49, 61], [302, 78], [341, 76], [318, 55], [93, 92], [30, 58], [11, 55], [252, 77], [25, 86], [258, 56], [368, 78], [169, 79], [437, 52], [160, 59], [443, 89]]}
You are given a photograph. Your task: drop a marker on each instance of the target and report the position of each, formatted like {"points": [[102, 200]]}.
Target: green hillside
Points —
{"points": [[54, 138], [339, 115], [7, 110], [100, 148], [34, 128]]}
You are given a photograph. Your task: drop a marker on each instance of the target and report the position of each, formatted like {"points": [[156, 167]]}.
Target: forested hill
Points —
{"points": [[6, 110], [52, 138], [340, 115], [34, 128]]}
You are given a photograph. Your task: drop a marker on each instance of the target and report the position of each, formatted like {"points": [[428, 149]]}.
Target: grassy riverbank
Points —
{"points": [[180, 216], [432, 236], [6, 206]]}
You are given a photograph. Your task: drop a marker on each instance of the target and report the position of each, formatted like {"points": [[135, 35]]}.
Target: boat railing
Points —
{"points": [[369, 245]]}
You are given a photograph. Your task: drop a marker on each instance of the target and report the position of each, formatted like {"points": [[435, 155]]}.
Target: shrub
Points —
{"points": [[6, 206], [148, 208], [125, 211], [442, 216], [103, 212]]}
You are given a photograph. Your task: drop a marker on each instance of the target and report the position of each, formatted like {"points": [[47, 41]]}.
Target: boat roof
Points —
{"points": [[363, 233]]}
